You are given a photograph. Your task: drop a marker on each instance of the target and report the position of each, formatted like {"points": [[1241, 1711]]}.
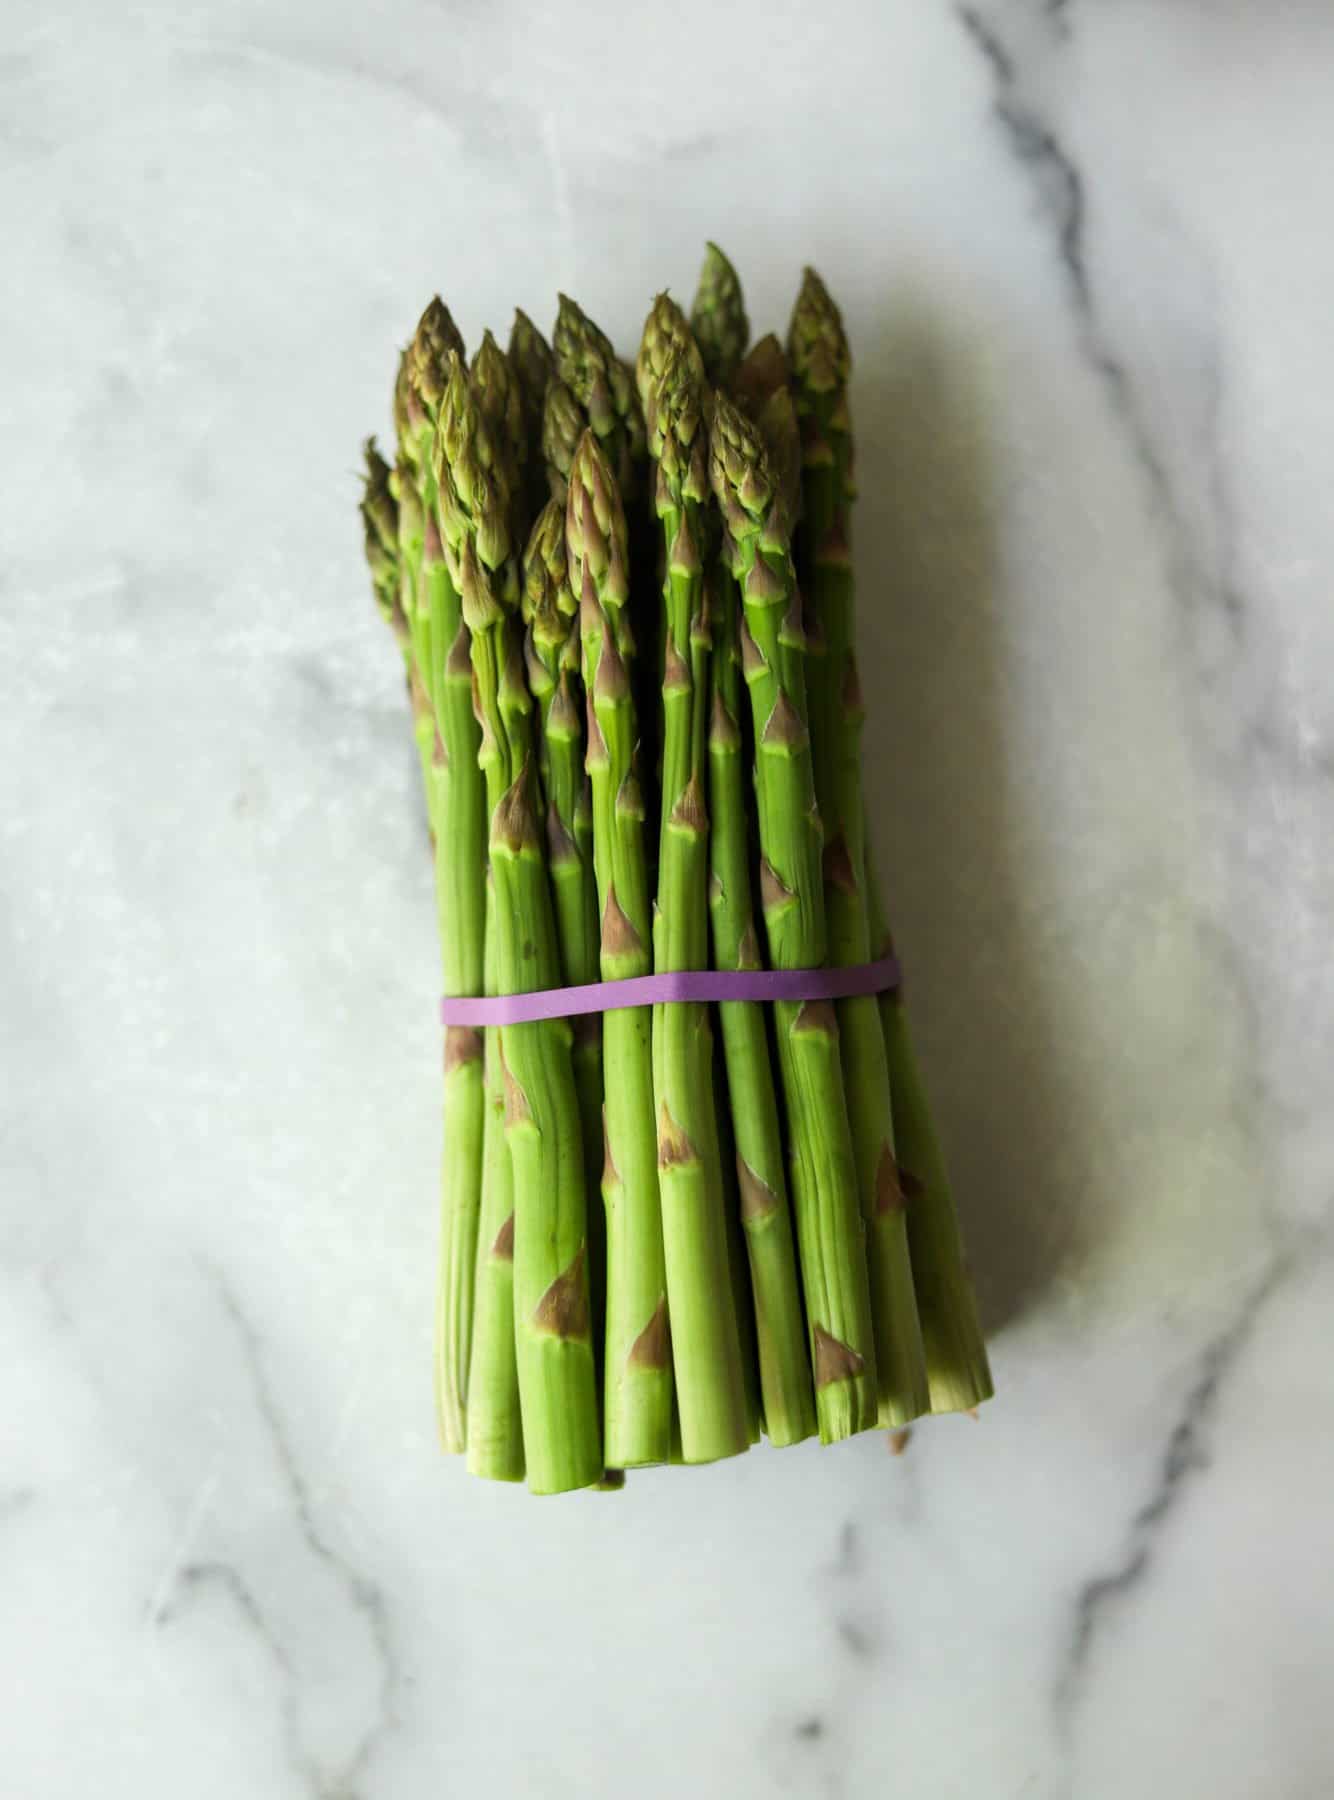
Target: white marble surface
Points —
{"points": [[1085, 259]]}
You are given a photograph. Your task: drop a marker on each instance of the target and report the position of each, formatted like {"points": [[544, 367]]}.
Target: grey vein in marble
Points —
{"points": [[1185, 1454], [1061, 188], [365, 1597]]}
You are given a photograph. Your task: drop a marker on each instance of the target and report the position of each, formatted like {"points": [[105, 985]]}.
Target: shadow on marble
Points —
{"points": [[989, 1011]]}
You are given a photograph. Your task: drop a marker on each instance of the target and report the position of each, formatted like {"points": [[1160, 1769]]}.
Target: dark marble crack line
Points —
{"points": [[364, 1596], [193, 1578], [1185, 1454], [1062, 190]]}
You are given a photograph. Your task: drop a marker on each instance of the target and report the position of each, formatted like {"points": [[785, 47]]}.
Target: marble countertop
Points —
{"points": [[1088, 293]]}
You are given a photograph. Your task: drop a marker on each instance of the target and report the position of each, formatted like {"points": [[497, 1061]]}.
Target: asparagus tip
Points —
{"points": [[718, 316], [817, 344]]}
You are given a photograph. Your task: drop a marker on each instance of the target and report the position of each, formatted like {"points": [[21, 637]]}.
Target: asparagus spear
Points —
{"points": [[500, 399], [503, 402], [379, 512], [552, 650], [710, 1389], [460, 862], [432, 610], [830, 1230], [761, 372], [455, 1298], [495, 1427], [666, 334], [495, 1434], [583, 358], [762, 387], [476, 1309], [551, 1308], [718, 318], [563, 424], [818, 352], [530, 359], [638, 1366], [379, 517], [956, 1353], [785, 1369]]}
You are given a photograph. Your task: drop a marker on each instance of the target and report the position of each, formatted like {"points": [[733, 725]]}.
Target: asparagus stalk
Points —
{"points": [[737, 1263], [603, 391], [563, 424], [830, 1229], [435, 630], [379, 517], [718, 318], [411, 530], [380, 513], [554, 1349], [530, 359], [710, 1389], [638, 1364], [666, 334], [764, 393], [584, 360], [785, 1370], [495, 1425], [818, 352], [552, 650], [495, 1431], [957, 1369], [500, 400], [761, 372], [460, 863]]}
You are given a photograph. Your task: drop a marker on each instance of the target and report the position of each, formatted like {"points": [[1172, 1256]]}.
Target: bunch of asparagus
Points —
{"points": [[625, 605]]}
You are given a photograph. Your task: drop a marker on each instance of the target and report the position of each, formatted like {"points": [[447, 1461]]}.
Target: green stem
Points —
{"points": [[551, 645], [460, 861], [495, 1425], [900, 1368], [830, 1230], [638, 1368], [784, 1361], [443, 717], [706, 1344], [738, 1277], [958, 1372], [551, 1307], [820, 365], [557, 1387]]}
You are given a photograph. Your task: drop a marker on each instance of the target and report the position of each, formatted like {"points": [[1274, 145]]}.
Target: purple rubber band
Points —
{"points": [[689, 985]]}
